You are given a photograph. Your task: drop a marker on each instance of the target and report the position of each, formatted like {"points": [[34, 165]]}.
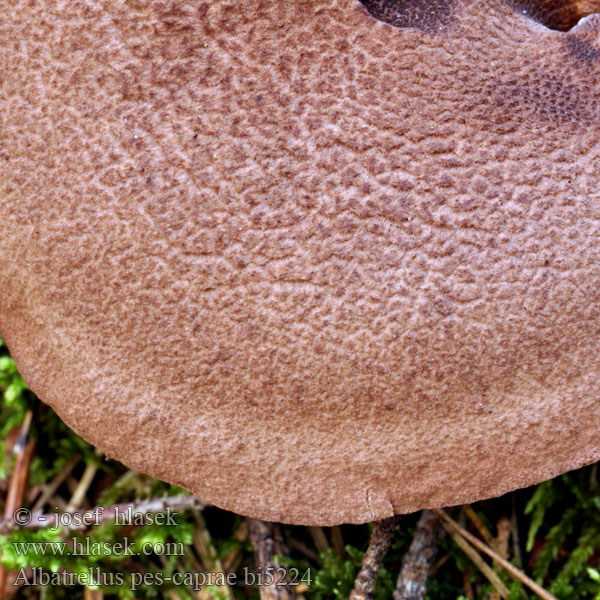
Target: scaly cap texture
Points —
{"points": [[311, 266]]}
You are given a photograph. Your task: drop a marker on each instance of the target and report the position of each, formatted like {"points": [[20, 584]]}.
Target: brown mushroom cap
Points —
{"points": [[310, 266]]}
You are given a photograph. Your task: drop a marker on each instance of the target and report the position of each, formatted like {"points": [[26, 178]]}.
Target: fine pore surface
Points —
{"points": [[312, 267]]}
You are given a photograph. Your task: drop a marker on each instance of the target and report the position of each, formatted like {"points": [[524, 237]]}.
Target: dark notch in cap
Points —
{"points": [[426, 15]]}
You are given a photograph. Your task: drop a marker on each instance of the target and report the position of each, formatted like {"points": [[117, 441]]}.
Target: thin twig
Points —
{"points": [[485, 569], [474, 518], [57, 503], [319, 538], [532, 585], [416, 563], [435, 569], [267, 542], [467, 585], [297, 545], [82, 487], [171, 594], [233, 558], [337, 541], [205, 549], [56, 482], [24, 451], [381, 538], [516, 543]]}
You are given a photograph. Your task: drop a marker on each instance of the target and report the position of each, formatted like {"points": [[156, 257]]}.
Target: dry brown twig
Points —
{"points": [[381, 538], [474, 518], [267, 542], [515, 534], [23, 451], [416, 563], [337, 541], [206, 551], [476, 559], [82, 487], [49, 489], [319, 538], [299, 546], [447, 522], [233, 558], [467, 585]]}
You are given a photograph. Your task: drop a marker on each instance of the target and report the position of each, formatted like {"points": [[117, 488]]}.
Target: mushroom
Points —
{"points": [[315, 263]]}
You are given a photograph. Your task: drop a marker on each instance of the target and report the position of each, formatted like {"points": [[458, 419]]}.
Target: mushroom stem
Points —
{"points": [[412, 581], [381, 538], [267, 542]]}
